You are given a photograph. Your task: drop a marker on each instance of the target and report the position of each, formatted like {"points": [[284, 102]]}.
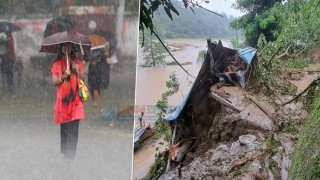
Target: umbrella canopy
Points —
{"points": [[51, 43], [98, 42], [6, 26]]}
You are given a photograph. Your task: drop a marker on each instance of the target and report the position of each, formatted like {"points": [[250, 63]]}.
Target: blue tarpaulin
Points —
{"points": [[175, 114], [247, 54]]}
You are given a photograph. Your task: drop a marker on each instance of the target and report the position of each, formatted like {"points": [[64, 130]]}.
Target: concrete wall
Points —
{"points": [[129, 36]]}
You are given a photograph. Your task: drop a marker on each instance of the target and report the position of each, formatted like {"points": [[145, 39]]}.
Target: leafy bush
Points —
{"points": [[201, 55], [162, 106], [173, 63], [306, 159]]}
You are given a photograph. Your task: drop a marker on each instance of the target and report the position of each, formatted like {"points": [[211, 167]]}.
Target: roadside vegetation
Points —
{"points": [[158, 167]]}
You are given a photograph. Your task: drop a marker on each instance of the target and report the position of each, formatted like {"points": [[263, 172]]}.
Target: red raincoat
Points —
{"points": [[10, 48], [74, 110]]}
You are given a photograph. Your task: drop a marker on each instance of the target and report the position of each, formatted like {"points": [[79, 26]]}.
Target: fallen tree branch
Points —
{"points": [[302, 92], [261, 52], [285, 52], [244, 161], [270, 60], [265, 110]]}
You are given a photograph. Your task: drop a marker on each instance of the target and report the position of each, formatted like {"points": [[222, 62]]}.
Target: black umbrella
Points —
{"points": [[51, 43]]}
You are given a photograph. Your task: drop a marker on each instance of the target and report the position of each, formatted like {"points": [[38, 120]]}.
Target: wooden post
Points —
{"points": [[172, 141]]}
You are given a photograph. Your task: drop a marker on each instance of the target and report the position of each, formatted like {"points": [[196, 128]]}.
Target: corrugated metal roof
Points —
{"points": [[247, 54], [138, 133]]}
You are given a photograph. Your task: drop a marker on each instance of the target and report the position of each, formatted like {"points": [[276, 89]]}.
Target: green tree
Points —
{"points": [[147, 10], [153, 52], [257, 20]]}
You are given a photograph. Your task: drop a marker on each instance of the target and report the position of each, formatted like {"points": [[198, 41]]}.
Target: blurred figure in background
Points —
{"points": [[97, 73], [99, 69], [8, 60]]}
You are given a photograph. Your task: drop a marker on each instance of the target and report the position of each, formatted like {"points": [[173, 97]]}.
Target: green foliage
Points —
{"points": [[272, 144], [297, 33], [297, 63], [309, 98], [173, 63], [238, 171], [265, 74], [153, 52], [236, 44], [157, 168], [291, 125], [306, 159], [201, 55], [259, 19], [147, 10], [162, 106], [312, 6]]}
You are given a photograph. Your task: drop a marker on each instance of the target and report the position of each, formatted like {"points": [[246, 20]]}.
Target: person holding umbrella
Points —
{"points": [[99, 69], [66, 69]]}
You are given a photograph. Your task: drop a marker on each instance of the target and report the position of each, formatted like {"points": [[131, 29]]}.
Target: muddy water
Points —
{"points": [[151, 81], [143, 155], [150, 85]]}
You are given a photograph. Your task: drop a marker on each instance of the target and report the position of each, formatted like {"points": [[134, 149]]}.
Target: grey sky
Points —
{"points": [[222, 6]]}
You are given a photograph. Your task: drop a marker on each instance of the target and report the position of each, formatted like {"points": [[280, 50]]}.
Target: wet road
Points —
{"points": [[31, 151]]}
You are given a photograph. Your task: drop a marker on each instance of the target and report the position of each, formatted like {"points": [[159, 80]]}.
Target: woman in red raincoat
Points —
{"points": [[68, 109]]}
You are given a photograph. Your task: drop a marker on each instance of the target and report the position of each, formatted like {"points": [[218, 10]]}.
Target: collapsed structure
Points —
{"points": [[193, 121]]}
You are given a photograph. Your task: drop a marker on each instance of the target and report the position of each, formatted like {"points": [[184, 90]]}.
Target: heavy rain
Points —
{"points": [[29, 137]]}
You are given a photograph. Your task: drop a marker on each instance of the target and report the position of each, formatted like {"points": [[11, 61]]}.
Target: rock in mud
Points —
{"points": [[247, 139]]}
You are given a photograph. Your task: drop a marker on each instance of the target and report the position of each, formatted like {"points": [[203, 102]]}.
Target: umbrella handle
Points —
{"points": [[68, 65], [81, 49]]}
